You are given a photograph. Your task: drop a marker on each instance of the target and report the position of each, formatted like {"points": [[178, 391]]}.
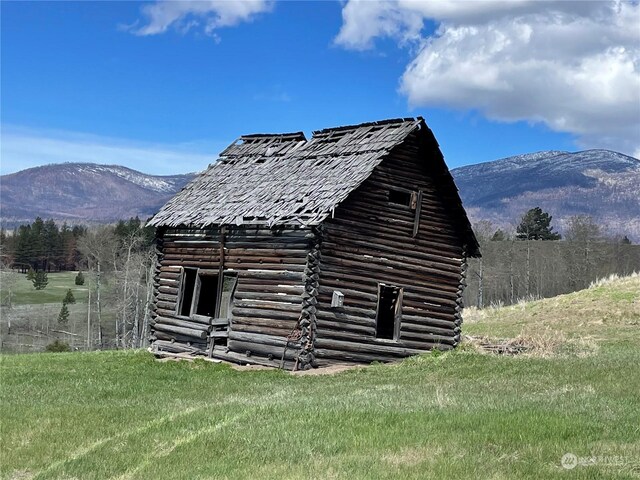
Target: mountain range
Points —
{"points": [[600, 183], [84, 193]]}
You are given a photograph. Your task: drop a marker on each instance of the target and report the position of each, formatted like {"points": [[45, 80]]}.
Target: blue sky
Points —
{"points": [[163, 87]]}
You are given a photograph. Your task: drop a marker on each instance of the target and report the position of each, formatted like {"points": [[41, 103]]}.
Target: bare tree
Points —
{"points": [[100, 249]]}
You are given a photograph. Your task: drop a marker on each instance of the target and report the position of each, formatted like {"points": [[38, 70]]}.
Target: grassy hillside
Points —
{"points": [[463, 414]]}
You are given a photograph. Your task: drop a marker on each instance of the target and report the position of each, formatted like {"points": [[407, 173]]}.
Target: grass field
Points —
{"points": [[23, 292], [462, 414]]}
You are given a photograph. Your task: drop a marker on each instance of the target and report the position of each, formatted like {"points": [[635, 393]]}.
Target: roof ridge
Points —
{"points": [[274, 135], [369, 124]]}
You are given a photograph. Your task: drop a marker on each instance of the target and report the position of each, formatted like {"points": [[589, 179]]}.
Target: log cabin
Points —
{"points": [[349, 247]]}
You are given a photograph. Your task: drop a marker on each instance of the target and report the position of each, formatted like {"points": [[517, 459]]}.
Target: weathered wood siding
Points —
{"points": [[370, 240], [270, 266]]}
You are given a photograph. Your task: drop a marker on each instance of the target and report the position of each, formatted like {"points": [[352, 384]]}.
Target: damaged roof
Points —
{"points": [[285, 179]]}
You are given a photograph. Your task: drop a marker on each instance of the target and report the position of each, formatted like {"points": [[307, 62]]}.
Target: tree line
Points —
{"points": [[44, 246], [534, 261]]}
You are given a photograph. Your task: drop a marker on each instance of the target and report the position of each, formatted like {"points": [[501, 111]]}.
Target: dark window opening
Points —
{"points": [[389, 312], [401, 198], [207, 295], [199, 293], [188, 285]]}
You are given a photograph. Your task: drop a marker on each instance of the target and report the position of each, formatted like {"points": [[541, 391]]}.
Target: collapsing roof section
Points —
{"points": [[284, 179]]}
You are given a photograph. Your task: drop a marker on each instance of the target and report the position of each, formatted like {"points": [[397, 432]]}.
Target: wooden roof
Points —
{"points": [[284, 178]]}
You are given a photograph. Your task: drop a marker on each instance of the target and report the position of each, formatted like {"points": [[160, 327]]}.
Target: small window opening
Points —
{"points": [[400, 198], [207, 295], [389, 312], [189, 276], [199, 292]]}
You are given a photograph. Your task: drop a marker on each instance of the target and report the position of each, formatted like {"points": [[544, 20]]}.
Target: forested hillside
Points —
{"points": [[599, 183]]}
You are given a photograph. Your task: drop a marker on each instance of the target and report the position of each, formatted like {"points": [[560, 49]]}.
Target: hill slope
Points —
{"points": [[80, 192], [600, 183], [124, 415]]}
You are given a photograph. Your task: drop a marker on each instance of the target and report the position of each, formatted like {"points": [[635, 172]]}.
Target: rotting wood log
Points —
{"points": [[240, 303], [176, 337], [181, 323], [258, 338], [265, 313], [259, 349], [188, 332], [379, 347]]}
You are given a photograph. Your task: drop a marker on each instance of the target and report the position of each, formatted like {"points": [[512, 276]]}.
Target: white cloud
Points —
{"points": [[24, 148], [574, 66], [208, 14], [364, 20]]}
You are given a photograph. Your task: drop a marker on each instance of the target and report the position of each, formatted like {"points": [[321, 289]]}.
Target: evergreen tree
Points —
{"points": [[31, 274], [36, 244], [536, 225], [69, 298], [80, 278], [63, 316], [40, 280], [23, 246], [51, 244]]}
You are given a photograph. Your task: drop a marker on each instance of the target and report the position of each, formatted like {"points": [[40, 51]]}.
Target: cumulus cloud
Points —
{"points": [[573, 66], [24, 148], [363, 21], [207, 14]]}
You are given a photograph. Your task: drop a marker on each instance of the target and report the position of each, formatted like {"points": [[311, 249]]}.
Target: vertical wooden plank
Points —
{"points": [[416, 221]]}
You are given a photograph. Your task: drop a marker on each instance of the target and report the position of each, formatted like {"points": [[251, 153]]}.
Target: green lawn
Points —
{"points": [[23, 292], [463, 414]]}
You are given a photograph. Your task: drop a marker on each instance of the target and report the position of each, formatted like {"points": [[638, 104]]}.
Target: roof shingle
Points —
{"points": [[283, 178]]}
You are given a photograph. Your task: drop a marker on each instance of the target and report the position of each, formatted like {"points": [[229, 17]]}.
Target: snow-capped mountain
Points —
{"points": [[84, 192], [600, 183]]}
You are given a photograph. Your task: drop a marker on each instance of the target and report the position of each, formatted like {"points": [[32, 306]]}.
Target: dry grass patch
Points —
{"points": [[411, 457], [578, 322]]}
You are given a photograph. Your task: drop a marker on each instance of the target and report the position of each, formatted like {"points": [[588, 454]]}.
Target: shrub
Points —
{"points": [[79, 279], [58, 346]]}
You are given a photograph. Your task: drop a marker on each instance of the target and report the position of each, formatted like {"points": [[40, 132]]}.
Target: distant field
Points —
{"points": [[461, 414], [30, 324], [23, 292]]}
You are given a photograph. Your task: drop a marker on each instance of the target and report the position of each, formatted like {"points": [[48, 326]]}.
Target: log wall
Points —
{"points": [[369, 241], [270, 265]]}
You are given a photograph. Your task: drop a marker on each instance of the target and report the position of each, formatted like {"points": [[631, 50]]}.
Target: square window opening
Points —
{"points": [[400, 198], [389, 312], [200, 290]]}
